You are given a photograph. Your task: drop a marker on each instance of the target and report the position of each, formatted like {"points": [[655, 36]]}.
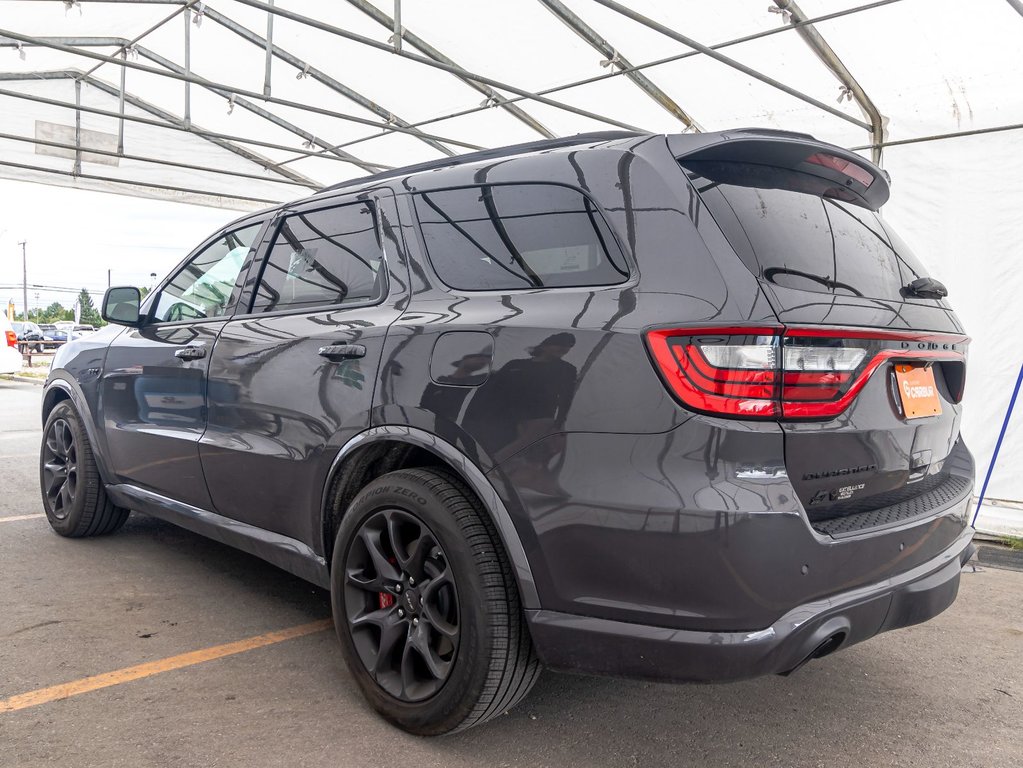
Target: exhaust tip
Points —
{"points": [[829, 646]]}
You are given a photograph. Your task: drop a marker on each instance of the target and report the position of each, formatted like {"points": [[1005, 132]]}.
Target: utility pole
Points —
{"points": [[108, 278], [24, 278]]}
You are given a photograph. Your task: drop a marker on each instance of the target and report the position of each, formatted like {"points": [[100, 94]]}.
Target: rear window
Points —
{"points": [[792, 231], [515, 236]]}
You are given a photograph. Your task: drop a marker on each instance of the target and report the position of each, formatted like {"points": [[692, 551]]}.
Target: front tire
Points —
{"points": [[75, 501], [426, 606]]}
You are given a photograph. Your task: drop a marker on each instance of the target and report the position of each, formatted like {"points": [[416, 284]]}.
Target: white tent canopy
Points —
{"points": [[240, 103]]}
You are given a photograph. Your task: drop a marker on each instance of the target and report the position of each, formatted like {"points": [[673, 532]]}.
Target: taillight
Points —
{"points": [[12, 338], [785, 373]]}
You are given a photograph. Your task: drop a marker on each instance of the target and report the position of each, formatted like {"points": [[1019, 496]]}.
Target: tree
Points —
{"points": [[53, 313], [89, 313]]}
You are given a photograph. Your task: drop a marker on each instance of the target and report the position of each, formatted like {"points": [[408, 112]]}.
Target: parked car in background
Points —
{"points": [[10, 355], [30, 335], [60, 333], [82, 330], [50, 333], [669, 407]]}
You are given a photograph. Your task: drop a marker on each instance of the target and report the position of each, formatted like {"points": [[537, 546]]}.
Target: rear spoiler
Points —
{"points": [[793, 151]]}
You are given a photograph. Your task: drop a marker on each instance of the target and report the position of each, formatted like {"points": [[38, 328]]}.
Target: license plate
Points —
{"points": [[917, 390]]}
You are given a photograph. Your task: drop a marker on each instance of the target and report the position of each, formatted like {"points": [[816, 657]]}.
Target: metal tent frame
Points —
{"points": [[273, 161]]}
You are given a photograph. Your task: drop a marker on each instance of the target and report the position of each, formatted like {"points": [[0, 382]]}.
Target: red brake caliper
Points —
{"points": [[386, 599]]}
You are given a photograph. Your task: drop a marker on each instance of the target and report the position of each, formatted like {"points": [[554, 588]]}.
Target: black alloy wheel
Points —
{"points": [[425, 603], [401, 604], [60, 468], [74, 496]]}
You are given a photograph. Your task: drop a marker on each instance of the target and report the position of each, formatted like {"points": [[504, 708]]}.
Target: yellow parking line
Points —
{"points": [[126, 675], [20, 517]]}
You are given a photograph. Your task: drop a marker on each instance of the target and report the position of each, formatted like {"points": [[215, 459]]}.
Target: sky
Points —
{"points": [[74, 236]]}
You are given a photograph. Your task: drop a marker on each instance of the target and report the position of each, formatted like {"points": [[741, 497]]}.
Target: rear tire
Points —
{"points": [[405, 533], [75, 501]]}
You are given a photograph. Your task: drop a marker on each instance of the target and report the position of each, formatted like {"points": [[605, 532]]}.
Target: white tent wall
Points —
{"points": [[958, 204]]}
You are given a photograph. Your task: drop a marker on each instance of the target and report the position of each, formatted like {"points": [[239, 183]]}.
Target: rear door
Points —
{"points": [[154, 378], [292, 378], [872, 376]]}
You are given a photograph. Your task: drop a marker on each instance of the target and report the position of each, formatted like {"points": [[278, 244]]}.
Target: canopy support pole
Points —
{"points": [[188, 68], [614, 59], [726, 60], [78, 128], [827, 55], [397, 26], [493, 97], [120, 104], [323, 78], [269, 51]]}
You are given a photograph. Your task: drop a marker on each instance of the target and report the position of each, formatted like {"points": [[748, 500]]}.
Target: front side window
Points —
{"points": [[515, 236], [203, 287], [323, 258]]}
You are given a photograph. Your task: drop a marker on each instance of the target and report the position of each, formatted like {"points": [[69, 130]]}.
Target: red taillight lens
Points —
{"points": [[771, 373], [12, 338], [730, 371]]}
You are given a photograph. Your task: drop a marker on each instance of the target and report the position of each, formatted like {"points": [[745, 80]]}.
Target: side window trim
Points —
{"points": [[270, 238]]}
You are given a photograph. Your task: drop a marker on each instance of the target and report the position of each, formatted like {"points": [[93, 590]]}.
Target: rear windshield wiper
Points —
{"points": [[824, 280], [925, 288]]}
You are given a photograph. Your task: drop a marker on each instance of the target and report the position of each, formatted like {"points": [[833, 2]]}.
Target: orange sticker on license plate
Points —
{"points": [[917, 390]]}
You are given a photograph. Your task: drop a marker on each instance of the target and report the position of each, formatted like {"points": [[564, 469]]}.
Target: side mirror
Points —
{"points": [[121, 306]]}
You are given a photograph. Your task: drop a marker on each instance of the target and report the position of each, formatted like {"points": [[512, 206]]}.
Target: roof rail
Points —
{"points": [[486, 154]]}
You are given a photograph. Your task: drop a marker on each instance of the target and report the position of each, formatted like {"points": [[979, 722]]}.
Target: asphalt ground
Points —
{"points": [[188, 627]]}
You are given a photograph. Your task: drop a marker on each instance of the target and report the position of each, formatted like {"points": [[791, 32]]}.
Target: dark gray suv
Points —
{"points": [[669, 407]]}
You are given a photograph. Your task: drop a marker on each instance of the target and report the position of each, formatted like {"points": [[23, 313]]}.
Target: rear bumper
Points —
{"points": [[573, 643]]}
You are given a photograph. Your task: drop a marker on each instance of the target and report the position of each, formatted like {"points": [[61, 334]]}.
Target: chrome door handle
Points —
{"points": [[342, 351], [191, 353]]}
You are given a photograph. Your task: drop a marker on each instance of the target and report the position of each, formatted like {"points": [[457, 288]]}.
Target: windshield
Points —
{"points": [[797, 236]]}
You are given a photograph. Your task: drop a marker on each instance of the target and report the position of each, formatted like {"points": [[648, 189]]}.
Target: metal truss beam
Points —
{"points": [[149, 184], [830, 59], [614, 58], [462, 74], [187, 78], [142, 159], [635, 68], [320, 76], [167, 121], [401, 33], [166, 20], [117, 42], [728, 61]]}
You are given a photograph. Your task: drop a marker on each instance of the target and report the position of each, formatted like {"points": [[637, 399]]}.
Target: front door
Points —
{"points": [[154, 380], [293, 379]]}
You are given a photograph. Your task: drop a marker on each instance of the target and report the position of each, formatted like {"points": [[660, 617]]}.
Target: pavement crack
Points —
{"points": [[34, 626]]}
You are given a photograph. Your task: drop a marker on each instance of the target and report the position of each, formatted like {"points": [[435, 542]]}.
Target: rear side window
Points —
{"points": [[515, 236], [792, 234], [323, 258]]}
